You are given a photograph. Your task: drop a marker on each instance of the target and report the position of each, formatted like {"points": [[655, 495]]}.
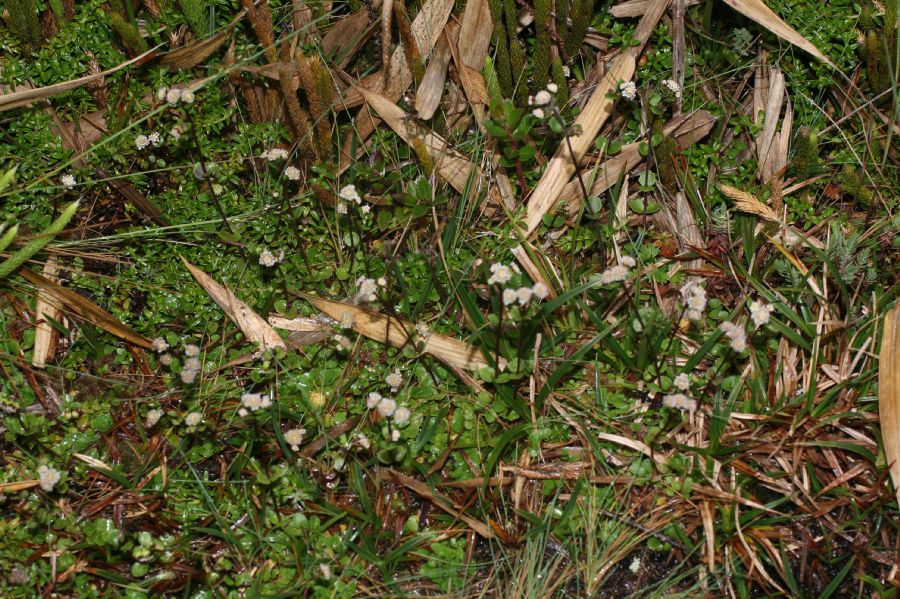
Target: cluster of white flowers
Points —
{"points": [[542, 98], [294, 437], [628, 90], [502, 274], [68, 181], [193, 419], [190, 371], [270, 259], [349, 194], [682, 382], [275, 154], [672, 86], [618, 272], [387, 408], [48, 477], [760, 312], [368, 288], [679, 401], [567, 72], [144, 141], [736, 335], [174, 95], [292, 173], [694, 300], [153, 417], [253, 402]]}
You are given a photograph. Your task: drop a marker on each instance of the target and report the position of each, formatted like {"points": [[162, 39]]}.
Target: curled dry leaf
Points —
{"points": [[251, 324], [397, 332], [889, 393]]}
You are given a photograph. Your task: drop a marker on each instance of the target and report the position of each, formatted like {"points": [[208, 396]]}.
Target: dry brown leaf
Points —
{"points": [[396, 332], [562, 165], [254, 327], [437, 499], [475, 34], [452, 166], [86, 309], [348, 35], [46, 307], [889, 393], [762, 14], [430, 91], [299, 324], [28, 96], [193, 54]]}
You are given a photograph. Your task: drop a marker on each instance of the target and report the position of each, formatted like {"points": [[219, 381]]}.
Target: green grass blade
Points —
{"points": [[38, 243]]}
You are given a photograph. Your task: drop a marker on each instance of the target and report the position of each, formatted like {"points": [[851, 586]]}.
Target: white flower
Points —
{"points": [[542, 98], [672, 87], [188, 376], [173, 95], [275, 154], [422, 329], [679, 401], [736, 334], [141, 142], [294, 437], [387, 407], [325, 569], [760, 312], [193, 419], [523, 295], [48, 477], [160, 345], [267, 258], [192, 363], [552, 88], [501, 274], [366, 209], [191, 350], [382, 282], [538, 113], [153, 417], [363, 441], [165, 359], [509, 296], [349, 194], [394, 379], [187, 96], [373, 400], [255, 401], [401, 415], [694, 315], [613, 274], [695, 300], [292, 173], [628, 261], [367, 288], [540, 291], [567, 72], [161, 93], [342, 207], [628, 90], [68, 181], [155, 138], [395, 435], [175, 132], [682, 382]]}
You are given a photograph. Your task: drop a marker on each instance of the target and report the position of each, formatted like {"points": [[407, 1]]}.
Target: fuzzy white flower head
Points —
{"points": [[679, 401], [538, 113], [628, 90], [673, 87], [342, 207], [395, 435], [736, 335], [628, 261], [191, 350], [523, 295], [48, 477], [422, 329], [367, 288], [374, 398], [267, 258], [275, 154], [193, 419], [401, 415], [363, 441], [175, 132], [394, 379], [292, 173], [542, 98], [188, 376], [682, 382], [153, 417], [540, 291], [366, 209], [141, 142], [68, 181], [161, 93], [294, 437], [187, 96], [760, 312], [567, 72], [160, 345], [155, 138], [552, 88], [382, 282], [165, 359], [509, 296], [254, 401], [325, 569], [614, 274], [173, 95], [500, 274], [694, 315], [387, 407], [349, 194]]}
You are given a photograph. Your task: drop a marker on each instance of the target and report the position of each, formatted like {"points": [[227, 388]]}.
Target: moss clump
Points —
{"points": [[24, 21]]}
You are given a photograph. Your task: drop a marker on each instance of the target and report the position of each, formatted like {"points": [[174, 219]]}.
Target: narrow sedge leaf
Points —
{"points": [[8, 237], [7, 178], [38, 243]]}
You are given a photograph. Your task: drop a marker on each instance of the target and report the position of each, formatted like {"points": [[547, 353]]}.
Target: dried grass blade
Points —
{"points": [[762, 14], [396, 332], [86, 309], [889, 393], [251, 324], [429, 92], [193, 54], [46, 307], [746, 202]]}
